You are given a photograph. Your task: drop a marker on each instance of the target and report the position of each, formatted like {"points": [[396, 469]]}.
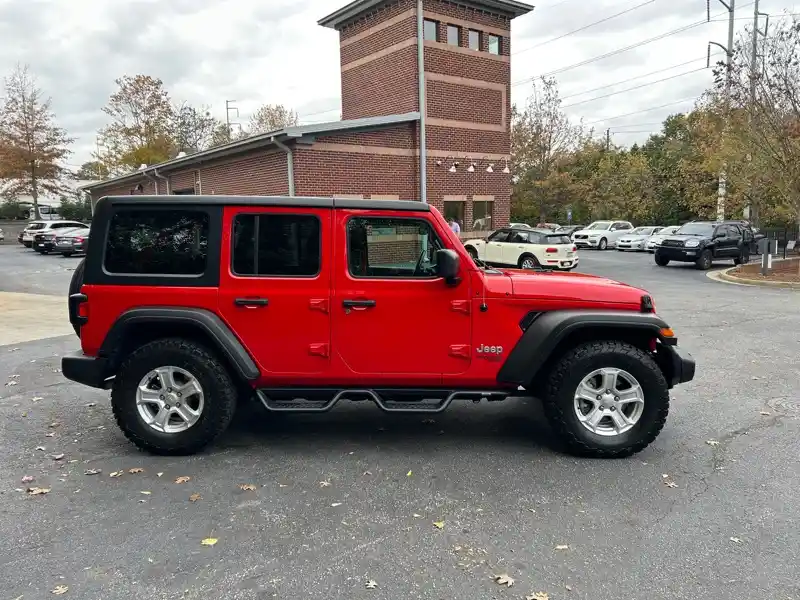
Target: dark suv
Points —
{"points": [[187, 304], [703, 242]]}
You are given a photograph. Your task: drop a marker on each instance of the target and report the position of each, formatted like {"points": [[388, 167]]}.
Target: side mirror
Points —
{"points": [[447, 266]]}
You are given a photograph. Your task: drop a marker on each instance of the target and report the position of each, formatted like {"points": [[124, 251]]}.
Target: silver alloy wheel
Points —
{"points": [[170, 399], [528, 263], [609, 401]]}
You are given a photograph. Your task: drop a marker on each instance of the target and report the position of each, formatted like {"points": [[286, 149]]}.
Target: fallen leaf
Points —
{"points": [[765, 413], [182, 479], [159, 474], [754, 378], [41, 448], [438, 524], [335, 504], [36, 399], [136, 470], [568, 588], [11, 383], [59, 589], [367, 473], [562, 547], [146, 493], [54, 425], [92, 471], [408, 474], [670, 484], [503, 579], [194, 497], [324, 484], [664, 475], [90, 405], [37, 491], [371, 584], [282, 485], [538, 596], [712, 442], [49, 434], [115, 474], [247, 487], [57, 456], [14, 376], [417, 516], [27, 479], [736, 540], [56, 370], [209, 541]]}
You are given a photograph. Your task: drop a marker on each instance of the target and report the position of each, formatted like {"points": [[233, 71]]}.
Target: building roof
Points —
{"points": [[305, 133], [508, 8]]}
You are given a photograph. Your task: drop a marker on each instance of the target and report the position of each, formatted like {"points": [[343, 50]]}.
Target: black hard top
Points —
{"points": [[288, 201]]}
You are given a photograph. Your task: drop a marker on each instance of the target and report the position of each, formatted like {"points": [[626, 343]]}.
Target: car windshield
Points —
{"points": [[696, 229], [669, 230], [602, 225], [643, 231]]}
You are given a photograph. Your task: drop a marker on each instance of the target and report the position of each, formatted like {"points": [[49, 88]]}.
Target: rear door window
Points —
{"points": [[276, 245]]}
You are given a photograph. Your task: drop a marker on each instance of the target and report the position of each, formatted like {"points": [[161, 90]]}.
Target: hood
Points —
{"points": [[579, 288], [683, 238]]}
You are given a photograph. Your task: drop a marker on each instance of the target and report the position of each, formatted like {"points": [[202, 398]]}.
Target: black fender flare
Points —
{"points": [[223, 339], [547, 330]]}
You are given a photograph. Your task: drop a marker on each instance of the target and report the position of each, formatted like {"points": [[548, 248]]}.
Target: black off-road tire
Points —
{"points": [[661, 261], [742, 259], [74, 287], [704, 261], [67, 254], [219, 390], [568, 373]]}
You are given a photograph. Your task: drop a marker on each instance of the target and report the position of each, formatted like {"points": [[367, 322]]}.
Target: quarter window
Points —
{"points": [[474, 39], [391, 248], [452, 35], [494, 44], [429, 30], [276, 245], [157, 242]]}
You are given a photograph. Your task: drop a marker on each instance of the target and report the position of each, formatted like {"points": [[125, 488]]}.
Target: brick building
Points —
{"points": [[463, 49]]}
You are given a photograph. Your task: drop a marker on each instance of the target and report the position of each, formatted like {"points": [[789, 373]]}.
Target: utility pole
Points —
{"points": [[608, 139], [722, 188], [752, 207], [228, 108]]}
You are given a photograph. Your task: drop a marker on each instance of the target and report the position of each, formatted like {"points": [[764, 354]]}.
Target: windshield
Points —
{"points": [[669, 230], [600, 225], [705, 229], [643, 231]]}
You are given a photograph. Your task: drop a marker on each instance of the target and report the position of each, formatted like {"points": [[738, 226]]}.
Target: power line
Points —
{"points": [[637, 87], [619, 50], [638, 112], [585, 27]]}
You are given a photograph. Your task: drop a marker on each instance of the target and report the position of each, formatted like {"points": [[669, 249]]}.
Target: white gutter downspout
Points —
{"points": [[289, 163], [155, 181], [155, 172], [423, 144]]}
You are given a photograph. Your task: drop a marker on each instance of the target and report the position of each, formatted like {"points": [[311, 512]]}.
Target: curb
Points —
{"points": [[722, 276]]}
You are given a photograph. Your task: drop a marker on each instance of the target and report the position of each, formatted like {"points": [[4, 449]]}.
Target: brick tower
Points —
{"points": [[467, 75]]}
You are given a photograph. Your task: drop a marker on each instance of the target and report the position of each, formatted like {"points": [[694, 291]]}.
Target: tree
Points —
{"points": [[192, 129], [141, 125], [76, 207], [271, 117], [92, 170], [32, 146]]}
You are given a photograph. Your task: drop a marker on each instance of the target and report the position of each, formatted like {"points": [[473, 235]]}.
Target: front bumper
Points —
{"points": [[630, 245], [679, 254], [677, 364], [87, 370], [587, 243]]}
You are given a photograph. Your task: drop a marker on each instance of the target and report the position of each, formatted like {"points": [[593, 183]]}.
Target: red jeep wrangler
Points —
{"points": [[185, 304]]}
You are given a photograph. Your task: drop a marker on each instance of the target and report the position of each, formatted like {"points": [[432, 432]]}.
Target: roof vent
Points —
{"points": [[142, 167], [181, 154]]}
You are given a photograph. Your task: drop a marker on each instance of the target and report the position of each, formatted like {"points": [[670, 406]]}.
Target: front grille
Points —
{"points": [[581, 237], [672, 243]]}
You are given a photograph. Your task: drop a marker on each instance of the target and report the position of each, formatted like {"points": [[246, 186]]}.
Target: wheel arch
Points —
{"points": [[549, 335], [140, 326]]}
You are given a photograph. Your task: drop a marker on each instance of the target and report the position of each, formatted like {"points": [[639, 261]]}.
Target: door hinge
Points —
{"points": [[461, 350], [460, 306], [320, 304], [318, 350]]}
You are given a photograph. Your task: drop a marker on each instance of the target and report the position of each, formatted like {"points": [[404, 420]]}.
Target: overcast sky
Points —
{"points": [[259, 51]]}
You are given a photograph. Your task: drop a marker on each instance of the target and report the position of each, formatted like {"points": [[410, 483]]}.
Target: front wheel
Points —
{"points": [[473, 254], [173, 397], [742, 259], [704, 261], [603, 244], [661, 261], [606, 399]]}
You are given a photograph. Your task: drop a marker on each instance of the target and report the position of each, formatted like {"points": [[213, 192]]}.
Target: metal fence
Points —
{"points": [[783, 236]]}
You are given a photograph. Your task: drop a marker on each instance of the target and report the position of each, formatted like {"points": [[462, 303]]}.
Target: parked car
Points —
{"points": [[601, 234], [2, 236], [185, 313], [656, 239], [72, 242], [520, 225], [548, 226], [525, 249], [38, 227], [702, 242], [637, 239]]}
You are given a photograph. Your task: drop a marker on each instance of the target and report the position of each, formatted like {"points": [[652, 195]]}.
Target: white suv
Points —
{"points": [[601, 234], [44, 227]]}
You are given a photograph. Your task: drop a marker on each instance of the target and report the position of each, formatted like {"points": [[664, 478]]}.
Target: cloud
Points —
{"points": [[256, 51]]}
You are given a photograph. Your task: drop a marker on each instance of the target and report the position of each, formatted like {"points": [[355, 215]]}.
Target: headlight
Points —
{"points": [[594, 235], [692, 243]]}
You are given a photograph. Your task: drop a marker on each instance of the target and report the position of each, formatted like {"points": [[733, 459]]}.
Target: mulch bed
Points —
{"points": [[785, 270]]}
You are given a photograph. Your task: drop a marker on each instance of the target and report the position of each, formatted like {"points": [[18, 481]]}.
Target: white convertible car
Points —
{"points": [[525, 249]]}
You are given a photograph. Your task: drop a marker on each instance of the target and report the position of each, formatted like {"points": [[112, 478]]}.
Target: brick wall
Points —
{"points": [[383, 86]]}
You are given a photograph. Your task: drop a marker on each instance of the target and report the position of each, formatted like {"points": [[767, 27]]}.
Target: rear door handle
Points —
{"points": [[251, 302], [358, 303]]}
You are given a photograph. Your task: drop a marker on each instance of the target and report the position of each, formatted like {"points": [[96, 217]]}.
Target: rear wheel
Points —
{"points": [[606, 399], [661, 261], [67, 254], [173, 397], [742, 259], [528, 261], [704, 261]]}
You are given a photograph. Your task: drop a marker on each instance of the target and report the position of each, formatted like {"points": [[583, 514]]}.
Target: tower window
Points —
{"points": [[452, 35], [474, 39], [430, 30], [494, 44]]}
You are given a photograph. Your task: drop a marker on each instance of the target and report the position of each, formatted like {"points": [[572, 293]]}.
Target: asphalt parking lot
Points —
{"points": [[352, 496]]}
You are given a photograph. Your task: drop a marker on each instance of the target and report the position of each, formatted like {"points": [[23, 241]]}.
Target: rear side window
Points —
{"points": [[276, 245], [157, 242]]}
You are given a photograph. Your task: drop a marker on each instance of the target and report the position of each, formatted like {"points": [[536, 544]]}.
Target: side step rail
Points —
{"points": [[309, 401]]}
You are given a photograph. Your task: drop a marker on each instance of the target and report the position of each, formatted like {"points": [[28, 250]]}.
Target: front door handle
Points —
{"points": [[251, 302], [358, 303]]}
